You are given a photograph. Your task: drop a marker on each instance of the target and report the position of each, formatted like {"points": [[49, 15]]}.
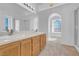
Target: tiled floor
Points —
{"points": [[56, 49]]}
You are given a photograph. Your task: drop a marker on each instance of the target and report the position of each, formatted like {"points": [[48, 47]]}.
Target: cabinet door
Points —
{"points": [[43, 41], [12, 49], [26, 47], [35, 45]]}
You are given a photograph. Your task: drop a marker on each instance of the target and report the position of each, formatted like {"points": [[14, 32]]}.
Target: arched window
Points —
{"points": [[55, 23]]}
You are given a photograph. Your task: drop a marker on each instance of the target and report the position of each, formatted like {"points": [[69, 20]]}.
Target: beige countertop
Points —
{"points": [[18, 36]]}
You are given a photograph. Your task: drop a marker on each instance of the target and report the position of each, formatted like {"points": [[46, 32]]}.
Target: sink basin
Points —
{"points": [[4, 37], [4, 40], [3, 33]]}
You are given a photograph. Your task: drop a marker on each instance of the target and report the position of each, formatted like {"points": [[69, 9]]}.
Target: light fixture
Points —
{"points": [[29, 6]]}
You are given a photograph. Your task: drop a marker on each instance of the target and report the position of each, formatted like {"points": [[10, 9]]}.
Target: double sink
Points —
{"points": [[6, 38]]}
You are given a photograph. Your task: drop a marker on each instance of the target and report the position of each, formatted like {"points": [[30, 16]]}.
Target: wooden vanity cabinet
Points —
{"points": [[42, 41], [11, 49], [26, 47], [35, 45]]}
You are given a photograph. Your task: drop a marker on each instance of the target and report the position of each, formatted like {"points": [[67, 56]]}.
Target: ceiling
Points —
{"points": [[44, 6], [37, 7]]}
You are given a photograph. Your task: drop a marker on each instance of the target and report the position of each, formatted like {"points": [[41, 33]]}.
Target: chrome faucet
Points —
{"points": [[10, 32]]}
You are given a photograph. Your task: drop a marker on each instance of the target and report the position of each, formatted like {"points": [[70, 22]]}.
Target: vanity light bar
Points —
{"points": [[27, 6]]}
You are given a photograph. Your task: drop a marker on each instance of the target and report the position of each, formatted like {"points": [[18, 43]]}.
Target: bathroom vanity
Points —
{"points": [[23, 44]]}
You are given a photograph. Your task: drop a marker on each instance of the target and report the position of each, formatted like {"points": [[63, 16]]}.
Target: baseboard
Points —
{"points": [[77, 48], [66, 43]]}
